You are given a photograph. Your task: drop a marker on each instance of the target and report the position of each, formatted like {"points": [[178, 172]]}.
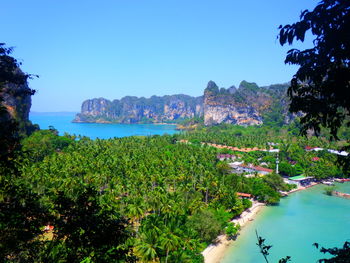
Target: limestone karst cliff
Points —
{"points": [[141, 110], [16, 98], [221, 106], [248, 104]]}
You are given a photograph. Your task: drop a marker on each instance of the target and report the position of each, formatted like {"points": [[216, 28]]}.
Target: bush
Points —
{"points": [[232, 230], [206, 225]]}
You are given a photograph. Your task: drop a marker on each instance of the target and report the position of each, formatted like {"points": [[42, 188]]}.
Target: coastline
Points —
{"points": [[110, 122], [214, 253], [300, 188]]}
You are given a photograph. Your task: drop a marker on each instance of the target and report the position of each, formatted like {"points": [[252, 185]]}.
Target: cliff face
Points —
{"points": [[231, 114], [248, 104], [95, 110], [17, 100], [220, 106], [141, 110]]}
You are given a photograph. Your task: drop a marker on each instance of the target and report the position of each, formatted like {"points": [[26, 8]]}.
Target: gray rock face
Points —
{"points": [[220, 106], [217, 114], [243, 106], [247, 105], [17, 100], [141, 110], [96, 107], [232, 89]]}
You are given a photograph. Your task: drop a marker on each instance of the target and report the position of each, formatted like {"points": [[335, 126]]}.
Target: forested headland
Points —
{"points": [[145, 199], [142, 198], [165, 198]]}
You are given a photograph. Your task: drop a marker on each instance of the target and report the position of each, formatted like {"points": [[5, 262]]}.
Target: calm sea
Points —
{"points": [[62, 121], [300, 220]]}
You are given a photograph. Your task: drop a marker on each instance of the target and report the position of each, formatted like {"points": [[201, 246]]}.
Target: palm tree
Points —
{"points": [[170, 242], [146, 249]]}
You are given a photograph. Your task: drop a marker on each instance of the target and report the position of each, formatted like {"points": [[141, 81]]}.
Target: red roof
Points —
{"points": [[263, 169], [48, 228], [315, 159], [258, 168], [244, 194], [309, 148]]}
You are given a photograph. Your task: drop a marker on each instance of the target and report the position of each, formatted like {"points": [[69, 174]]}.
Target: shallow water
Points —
{"points": [[63, 123], [300, 220]]}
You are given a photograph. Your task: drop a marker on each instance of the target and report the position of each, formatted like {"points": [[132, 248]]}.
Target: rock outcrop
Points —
{"points": [[248, 104], [17, 101], [141, 110], [16, 98], [222, 106]]}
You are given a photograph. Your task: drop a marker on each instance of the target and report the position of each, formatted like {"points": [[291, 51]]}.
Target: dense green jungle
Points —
{"points": [[163, 200]]}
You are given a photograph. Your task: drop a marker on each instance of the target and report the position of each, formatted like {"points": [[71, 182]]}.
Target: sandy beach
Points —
{"points": [[215, 252]]}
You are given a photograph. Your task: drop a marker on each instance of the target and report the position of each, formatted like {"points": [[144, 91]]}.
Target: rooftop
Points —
{"points": [[244, 195], [257, 168], [299, 178]]}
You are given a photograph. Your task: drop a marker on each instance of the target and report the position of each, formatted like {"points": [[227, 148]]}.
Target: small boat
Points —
{"points": [[345, 180], [328, 183], [339, 180]]}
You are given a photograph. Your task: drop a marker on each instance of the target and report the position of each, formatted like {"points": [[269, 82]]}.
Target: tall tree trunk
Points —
{"points": [[167, 254], [206, 195]]}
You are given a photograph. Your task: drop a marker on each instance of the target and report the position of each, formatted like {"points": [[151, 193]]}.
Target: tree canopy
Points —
{"points": [[320, 87], [8, 129]]}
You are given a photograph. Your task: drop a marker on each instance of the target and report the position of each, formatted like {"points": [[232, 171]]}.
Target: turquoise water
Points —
{"points": [[63, 123], [300, 220]]}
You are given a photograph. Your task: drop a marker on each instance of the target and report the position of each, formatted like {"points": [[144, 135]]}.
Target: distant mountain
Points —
{"points": [[141, 110], [248, 104]]}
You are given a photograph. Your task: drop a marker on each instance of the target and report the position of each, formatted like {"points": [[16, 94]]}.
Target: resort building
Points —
{"points": [[316, 149], [342, 153], [244, 195], [241, 168], [273, 150], [223, 157], [299, 180]]}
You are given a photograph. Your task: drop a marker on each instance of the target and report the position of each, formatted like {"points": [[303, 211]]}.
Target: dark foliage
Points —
{"points": [[264, 249], [340, 255], [21, 219], [21, 213], [321, 86], [85, 230], [10, 129], [9, 139]]}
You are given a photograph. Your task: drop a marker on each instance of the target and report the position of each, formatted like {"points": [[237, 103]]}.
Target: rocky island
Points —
{"points": [[141, 110], [248, 104]]}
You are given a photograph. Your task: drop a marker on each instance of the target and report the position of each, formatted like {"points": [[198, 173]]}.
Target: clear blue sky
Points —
{"points": [[112, 48]]}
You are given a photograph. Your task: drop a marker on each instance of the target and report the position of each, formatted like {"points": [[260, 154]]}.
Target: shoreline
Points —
{"points": [[214, 253], [110, 122], [300, 188]]}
